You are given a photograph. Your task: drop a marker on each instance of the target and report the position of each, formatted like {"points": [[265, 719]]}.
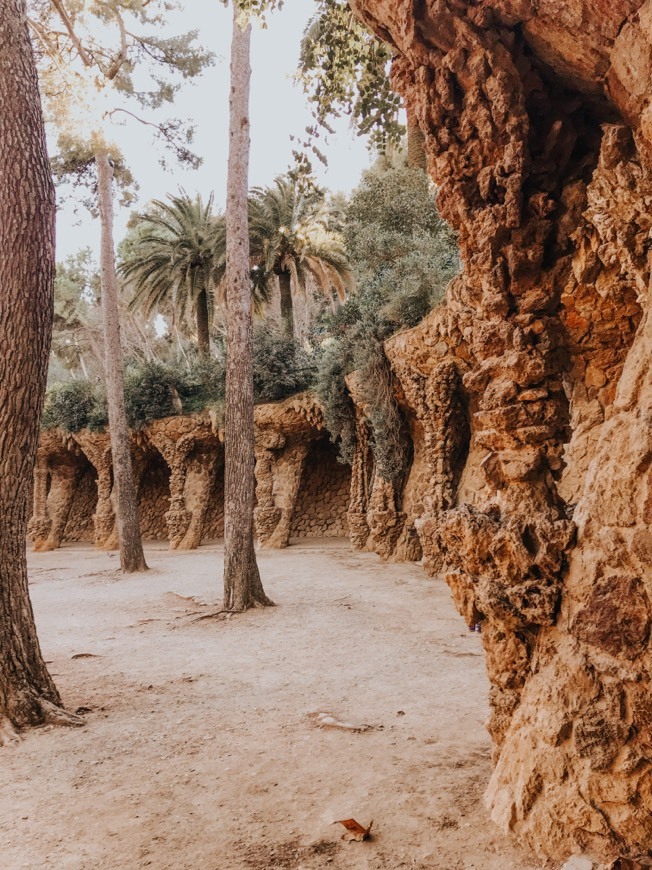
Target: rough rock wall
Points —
{"points": [[154, 498], [323, 497], [214, 523], [538, 129], [288, 500]]}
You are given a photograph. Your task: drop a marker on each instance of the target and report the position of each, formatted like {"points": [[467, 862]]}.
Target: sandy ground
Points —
{"points": [[202, 747]]}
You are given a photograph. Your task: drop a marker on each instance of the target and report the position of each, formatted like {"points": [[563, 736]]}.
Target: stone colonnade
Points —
{"points": [[178, 466]]}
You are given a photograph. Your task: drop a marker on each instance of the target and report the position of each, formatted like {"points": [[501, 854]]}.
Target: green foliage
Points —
{"points": [[175, 252], [150, 393], [281, 367], [104, 62], [75, 405], [202, 385], [344, 70], [334, 364], [154, 390], [76, 291], [290, 232], [74, 165], [255, 8], [403, 256]]}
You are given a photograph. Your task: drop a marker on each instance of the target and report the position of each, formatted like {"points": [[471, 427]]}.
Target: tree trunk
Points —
{"points": [[203, 335], [28, 695], [287, 311], [416, 144], [132, 557], [242, 584]]}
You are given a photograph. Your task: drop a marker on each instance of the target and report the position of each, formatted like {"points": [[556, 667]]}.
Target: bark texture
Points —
{"points": [[242, 584], [537, 123], [27, 694], [287, 306], [203, 331], [132, 557]]}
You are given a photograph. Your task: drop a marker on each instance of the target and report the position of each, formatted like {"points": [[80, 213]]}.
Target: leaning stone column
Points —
{"points": [[384, 521], [361, 469], [200, 478], [40, 523], [97, 448], [267, 513], [287, 471]]}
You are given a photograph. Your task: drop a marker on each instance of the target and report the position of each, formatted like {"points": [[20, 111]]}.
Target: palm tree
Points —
{"points": [[178, 260], [291, 240]]}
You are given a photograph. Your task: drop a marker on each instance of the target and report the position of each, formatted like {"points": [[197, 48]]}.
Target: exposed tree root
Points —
{"points": [[53, 715], [50, 714]]}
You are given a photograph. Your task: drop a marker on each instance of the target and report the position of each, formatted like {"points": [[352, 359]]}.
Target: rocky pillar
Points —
{"points": [[40, 523], [64, 479], [436, 398], [288, 471], [176, 453], [267, 513], [384, 521], [97, 448], [361, 471], [200, 479]]}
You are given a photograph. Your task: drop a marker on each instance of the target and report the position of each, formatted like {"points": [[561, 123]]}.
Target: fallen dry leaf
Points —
{"points": [[85, 656], [354, 830]]}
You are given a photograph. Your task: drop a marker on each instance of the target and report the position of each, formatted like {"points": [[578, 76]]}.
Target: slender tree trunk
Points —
{"points": [[203, 335], [287, 310], [242, 584], [27, 694], [416, 144], [132, 557]]}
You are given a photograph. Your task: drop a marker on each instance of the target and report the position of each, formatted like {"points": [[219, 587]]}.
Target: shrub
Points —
{"points": [[154, 390], [203, 384], [75, 405], [150, 393], [281, 367]]}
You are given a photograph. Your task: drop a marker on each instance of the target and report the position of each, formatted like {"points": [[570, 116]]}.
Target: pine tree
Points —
{"points": [[28, 695], [89, 56], [242, 584]]}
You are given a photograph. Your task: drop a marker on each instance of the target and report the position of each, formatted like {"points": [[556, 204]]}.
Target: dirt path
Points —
{"points": [[203, 750]]}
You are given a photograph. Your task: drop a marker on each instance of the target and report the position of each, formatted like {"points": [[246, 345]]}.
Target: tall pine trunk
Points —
{"points": [[28, 695], [287, 308], [203, 335], [242, 584], [132, 557]]}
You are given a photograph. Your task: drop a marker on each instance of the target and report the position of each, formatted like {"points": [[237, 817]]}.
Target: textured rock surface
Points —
{"points": [[538, 128], [179, 467]]}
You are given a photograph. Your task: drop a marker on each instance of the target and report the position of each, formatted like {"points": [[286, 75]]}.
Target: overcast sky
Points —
{"points": [[278, 109]]}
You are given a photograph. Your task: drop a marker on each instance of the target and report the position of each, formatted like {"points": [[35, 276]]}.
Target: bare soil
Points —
{"points": [[204, 747]]}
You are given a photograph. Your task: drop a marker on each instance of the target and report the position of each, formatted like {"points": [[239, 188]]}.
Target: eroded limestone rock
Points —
{"points": [[537, 120]]}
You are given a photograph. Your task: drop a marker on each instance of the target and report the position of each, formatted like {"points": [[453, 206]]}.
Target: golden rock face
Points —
{"points": [[537, 125]]}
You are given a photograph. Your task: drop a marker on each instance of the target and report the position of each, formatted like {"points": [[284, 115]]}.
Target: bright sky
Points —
{"points": [[278, 109]]}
